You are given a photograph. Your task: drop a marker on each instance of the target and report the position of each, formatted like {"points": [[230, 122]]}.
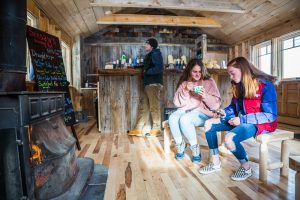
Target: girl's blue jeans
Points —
{"points": [[242, 132]]}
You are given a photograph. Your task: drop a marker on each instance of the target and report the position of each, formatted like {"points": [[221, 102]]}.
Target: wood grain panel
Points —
{"points": [[289, 102], [141, 172]]}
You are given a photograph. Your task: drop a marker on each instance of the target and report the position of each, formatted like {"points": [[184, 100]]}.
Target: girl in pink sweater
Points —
{"points": [[197, 94]]}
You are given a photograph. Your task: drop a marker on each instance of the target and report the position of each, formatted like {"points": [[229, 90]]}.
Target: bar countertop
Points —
{"points": [[132, 72]]}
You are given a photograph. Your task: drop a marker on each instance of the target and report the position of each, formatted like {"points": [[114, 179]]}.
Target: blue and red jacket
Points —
{"points": [[260, 110]]}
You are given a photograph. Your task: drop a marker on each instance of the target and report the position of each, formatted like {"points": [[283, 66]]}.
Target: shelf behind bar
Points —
{"points": [[131, 72]]}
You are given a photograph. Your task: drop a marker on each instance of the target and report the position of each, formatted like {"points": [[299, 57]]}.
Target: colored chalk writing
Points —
{"points": [[49, 68]]}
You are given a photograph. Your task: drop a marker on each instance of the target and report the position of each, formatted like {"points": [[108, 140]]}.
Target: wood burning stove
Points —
{"points": [[37, 151]]}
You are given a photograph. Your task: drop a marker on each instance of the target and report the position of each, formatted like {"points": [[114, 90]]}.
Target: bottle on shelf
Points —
{"points": [[134, 63], [141, 61], [183, 65], [129, 63], [137, 60], [118, 64], [123, 59]]}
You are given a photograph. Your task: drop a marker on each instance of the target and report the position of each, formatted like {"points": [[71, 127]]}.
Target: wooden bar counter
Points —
{"points": [[119, 94]]}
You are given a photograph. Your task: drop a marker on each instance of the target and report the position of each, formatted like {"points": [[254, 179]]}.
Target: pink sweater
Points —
{"points": [[189, 100]]}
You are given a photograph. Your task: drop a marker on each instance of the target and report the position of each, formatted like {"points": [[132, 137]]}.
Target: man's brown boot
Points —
{"points": [[135, 132], [153, 133]]}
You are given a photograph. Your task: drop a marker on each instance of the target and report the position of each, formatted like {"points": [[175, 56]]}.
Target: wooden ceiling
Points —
{"points": [[237, 19]]}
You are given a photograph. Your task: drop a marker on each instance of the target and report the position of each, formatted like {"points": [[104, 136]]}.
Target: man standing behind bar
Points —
{"points": [[151, 94]]}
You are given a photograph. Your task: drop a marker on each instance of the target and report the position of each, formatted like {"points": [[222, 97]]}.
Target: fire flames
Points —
{"points": [[35, 149], [37, 155]]}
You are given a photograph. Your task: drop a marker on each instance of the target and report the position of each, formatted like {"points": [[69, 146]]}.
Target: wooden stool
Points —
{"points": [[264, 140], [294, 162], [167, 136], [290, 146]]}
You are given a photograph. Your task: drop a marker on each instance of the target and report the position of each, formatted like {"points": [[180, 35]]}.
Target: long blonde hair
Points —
{"points": [[250, 78]]}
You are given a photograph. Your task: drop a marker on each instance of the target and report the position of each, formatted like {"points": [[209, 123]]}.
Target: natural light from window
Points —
{"points": [[31, 21], [291, 57], [264, 60], [65, 50]]}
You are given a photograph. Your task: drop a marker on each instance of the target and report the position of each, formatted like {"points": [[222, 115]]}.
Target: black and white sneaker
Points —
{"points": [[210, 168], [241, 174]]}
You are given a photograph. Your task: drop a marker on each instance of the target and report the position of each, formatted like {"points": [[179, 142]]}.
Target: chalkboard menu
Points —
{"points": [[49, 68]]}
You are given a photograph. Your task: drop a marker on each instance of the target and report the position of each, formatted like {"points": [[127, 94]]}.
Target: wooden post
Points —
{"points": [[294, 162], [285, 153], [204, 45], [167, 139], [263, 162], [297, 185], [75, 135]]}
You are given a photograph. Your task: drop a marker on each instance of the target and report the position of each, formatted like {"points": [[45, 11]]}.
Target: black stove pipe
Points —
{"points": [[13, 17]]}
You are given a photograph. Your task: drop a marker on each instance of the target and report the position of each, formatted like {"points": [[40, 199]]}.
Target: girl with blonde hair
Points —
{"points": [[253, 111]]}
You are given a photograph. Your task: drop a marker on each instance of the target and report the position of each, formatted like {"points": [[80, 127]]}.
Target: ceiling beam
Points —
{"points": [[133, 19], [204, 5]]}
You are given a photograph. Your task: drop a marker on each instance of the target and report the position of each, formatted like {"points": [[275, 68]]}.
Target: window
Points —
{"points": [[31, 21], [262, 57], [65, 50], [290, 47]]}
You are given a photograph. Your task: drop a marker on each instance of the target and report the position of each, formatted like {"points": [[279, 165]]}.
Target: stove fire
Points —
{"points": [[38, 151], [37, 154]]}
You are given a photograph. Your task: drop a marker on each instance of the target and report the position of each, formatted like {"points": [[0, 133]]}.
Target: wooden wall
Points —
{"points": [[118, 102], [47, 25], [288, 96], [95, 57]]}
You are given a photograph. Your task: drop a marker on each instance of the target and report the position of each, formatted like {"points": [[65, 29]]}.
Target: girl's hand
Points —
{"points": [[203, 93], [221, 113], [234, 121], [218, 113], [189, 86]]}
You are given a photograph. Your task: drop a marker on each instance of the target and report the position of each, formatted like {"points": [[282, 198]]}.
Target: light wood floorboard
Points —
{"points": [[139, 170]]}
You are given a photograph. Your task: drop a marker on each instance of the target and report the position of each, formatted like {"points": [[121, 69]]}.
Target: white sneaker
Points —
{"points": [[241, 174], [210, 168]]}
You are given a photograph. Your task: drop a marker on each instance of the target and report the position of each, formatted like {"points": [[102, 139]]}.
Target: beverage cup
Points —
{"points": [[197, 89]]}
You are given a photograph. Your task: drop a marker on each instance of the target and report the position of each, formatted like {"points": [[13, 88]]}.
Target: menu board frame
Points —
{"points": [[48, 65]]}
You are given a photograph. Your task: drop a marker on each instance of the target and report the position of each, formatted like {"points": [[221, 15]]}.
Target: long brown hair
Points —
{"points": [[187, 71], [250, 78]]}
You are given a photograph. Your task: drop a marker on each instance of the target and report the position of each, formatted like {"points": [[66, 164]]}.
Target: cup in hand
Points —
{"points": [[197, 89]]}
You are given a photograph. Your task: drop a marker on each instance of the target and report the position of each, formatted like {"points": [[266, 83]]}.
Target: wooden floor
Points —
{"points": [[138, 169]]}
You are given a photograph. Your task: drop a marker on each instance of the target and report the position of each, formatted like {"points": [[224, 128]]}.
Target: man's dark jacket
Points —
{"points": [[153, 68]]}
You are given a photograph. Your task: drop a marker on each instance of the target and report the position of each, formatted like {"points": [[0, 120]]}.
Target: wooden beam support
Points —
{"points": [[132, 19], [206, 5]]}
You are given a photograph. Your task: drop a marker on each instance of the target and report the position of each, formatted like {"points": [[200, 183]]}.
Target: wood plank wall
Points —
{"points": [[118, 102], [46, 24], [95, 57], [288, 96]]}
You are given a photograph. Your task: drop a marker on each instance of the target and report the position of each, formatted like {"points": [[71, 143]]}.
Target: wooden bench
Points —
{"points": [[264, 139], [290, 146]]}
